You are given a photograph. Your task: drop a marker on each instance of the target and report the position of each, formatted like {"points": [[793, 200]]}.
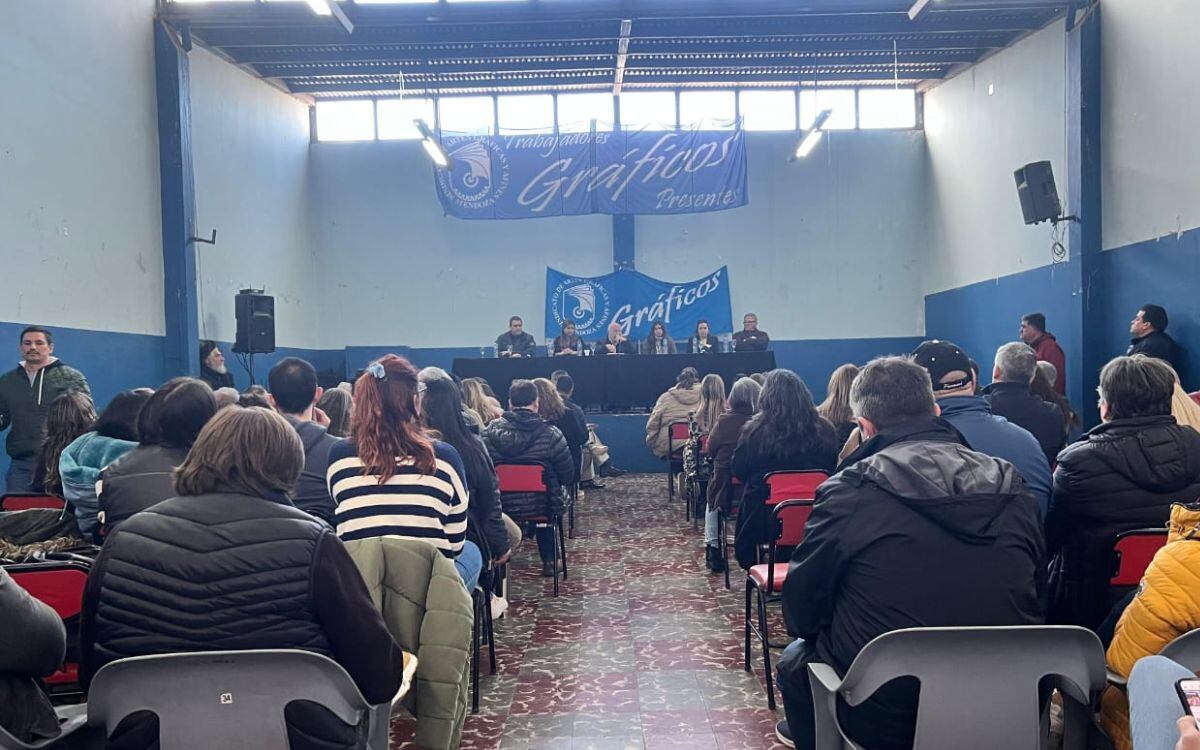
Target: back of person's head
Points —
{"points": [[251, 398], [293, 384], [119, 419], [1136, 386], [759, 377], [564, 384], [71, 414], [250, 451], [522, 394], [432, 373], [1049, 371], [337, 404], [1155, 315], [226, 396], [687, 378], [743, 397], [712, 401], [476, 399], [891, 391], [836, 406], [550, 404], [554, 376], [1016, 363], [385, 422], [951, 371], [787, 420], [442, 410], [1035, 320], [174, 415]]}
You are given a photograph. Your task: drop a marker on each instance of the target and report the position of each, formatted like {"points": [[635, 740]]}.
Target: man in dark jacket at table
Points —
{"points": [[523, 436], [1123, 475], [750, 338], [917, 530], [515, 342]]}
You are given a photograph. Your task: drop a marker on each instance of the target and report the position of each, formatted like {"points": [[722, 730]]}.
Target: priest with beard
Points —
{"points": [[212, 366]]}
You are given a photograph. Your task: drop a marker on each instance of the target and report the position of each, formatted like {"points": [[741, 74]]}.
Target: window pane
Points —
{"points": [[648, 110], [526, 114], [470, 115], [887, 108], [576, 112], [841, 101], [346, 121], [768, 110], [396, 117], [707, 110]]}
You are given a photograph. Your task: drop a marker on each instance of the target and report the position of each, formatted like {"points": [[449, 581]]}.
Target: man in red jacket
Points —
{"points": [[1033, 332]]}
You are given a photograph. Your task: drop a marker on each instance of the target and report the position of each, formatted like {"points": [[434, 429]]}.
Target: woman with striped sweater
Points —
{"points": [[389, 479]]}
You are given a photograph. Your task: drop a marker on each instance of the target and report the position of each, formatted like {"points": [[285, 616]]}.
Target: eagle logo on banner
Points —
{"points": [[478, 174]]}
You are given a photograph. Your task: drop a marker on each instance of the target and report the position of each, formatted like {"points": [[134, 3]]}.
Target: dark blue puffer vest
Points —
{"points": [[209, 573]]}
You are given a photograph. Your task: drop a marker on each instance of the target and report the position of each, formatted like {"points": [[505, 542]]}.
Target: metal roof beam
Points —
{"points": [[425, 67], [622, 55]]}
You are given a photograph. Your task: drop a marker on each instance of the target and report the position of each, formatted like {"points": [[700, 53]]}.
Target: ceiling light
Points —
{"points": [[432, 146], [916, 9], [321, 7], [813, 136]]}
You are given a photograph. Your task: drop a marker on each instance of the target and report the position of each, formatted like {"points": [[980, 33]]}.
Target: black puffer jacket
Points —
{"points": [[1016, 403], [1123, 475], [33, 642], [142, 477], [522, 436], [573, 425]]}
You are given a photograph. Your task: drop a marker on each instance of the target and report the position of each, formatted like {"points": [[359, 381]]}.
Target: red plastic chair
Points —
{"points": [[1133, 551], [793, 485], [765, 582], [531, 478], [26, 501], [677, 432], [1195, 396], [60, 585]]}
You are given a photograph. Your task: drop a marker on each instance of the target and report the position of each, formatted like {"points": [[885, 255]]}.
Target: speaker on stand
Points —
{"points": [[255, 313]]}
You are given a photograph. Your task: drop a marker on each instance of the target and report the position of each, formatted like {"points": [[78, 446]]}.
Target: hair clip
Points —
{"points": [[376, 369]]}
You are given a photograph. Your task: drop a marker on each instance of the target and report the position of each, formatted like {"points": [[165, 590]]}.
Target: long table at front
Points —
{"points": [[633, 381]]}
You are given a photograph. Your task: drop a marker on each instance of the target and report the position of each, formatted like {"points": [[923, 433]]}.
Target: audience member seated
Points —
{"points": [[786, 433], [836, 406], [1045, 348], [1149, 331], [673, 406], [1183, 408], [113, 435], [226, 397], [442, 411], [520, 436], [294, 394], [616, 342], [595, 455], [722, 439], [478, 401], [33, 644], [1157, 718], [71, 415], [230, 564], [1043, 387], [954, 389], [167, 426], [390, 480], [1010, 397], [1167, 605], [658, 342], [213, 369], [1124, 474], [336, 404], [514, 342], [712, 402], [750, 338], [255, 395], [916, 531], [703, 342], [553, 410], [567, 343]]}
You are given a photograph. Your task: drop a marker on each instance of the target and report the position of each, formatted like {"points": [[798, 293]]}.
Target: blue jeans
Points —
{"points": [[712, 534], [20, 475], [1154, 705], [470, 564]]}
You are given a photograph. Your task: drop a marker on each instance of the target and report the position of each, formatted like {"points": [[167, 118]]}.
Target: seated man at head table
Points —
{"points": [[515, 342], [616, 342]]}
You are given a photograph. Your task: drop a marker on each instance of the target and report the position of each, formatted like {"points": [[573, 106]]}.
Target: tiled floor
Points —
{"points": [[642, 650]]}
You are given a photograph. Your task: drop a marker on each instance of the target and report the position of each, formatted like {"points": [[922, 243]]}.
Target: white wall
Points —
{"points": [[980, 126], [250, 154], [1151, 119], [79, 198], [834, 237]]}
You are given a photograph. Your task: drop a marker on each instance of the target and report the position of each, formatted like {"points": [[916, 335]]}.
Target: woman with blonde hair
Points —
{"points": [[479, 402], [836, 406], [712, 402], [554, 410]]}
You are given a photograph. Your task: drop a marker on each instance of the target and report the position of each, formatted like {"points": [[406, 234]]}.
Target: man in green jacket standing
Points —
{"points": [[26, 393]]}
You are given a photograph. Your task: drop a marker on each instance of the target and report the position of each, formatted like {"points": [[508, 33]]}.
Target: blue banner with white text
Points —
{"points": [[636, 302], [642, 172]]}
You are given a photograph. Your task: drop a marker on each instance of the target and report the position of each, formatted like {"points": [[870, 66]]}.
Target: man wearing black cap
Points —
{"points": [[212, 366], [954, 388], [1149, 330]]}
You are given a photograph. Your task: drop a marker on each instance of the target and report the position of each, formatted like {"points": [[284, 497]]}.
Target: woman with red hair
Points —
{"points": [[390, 479]]}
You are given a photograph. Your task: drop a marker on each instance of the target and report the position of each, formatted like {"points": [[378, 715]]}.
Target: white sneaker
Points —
{"points": [[499, 607]]}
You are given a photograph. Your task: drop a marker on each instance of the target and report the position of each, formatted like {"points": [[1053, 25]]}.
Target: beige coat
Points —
{"points": [[672, 406]]}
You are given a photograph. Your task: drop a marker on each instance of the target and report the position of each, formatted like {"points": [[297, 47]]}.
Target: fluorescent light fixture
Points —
{"points": [[321, 7], [813, 136], [917, 8], [432, 145]]}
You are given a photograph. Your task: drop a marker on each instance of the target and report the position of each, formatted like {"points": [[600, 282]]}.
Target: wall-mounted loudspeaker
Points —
{"points": [[255, 313], [1038, 194]]}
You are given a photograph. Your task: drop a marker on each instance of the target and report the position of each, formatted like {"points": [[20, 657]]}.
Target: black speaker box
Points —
{"points": [[255, 323], [1038, 194]]}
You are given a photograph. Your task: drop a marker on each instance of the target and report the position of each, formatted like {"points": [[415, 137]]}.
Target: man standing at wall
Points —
{"points": [[1045, 346], [1149, 330], [26, 393]]}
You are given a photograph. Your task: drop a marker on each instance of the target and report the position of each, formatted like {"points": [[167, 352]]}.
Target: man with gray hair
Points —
{"points": [[916, 530], [1010, 397]]}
